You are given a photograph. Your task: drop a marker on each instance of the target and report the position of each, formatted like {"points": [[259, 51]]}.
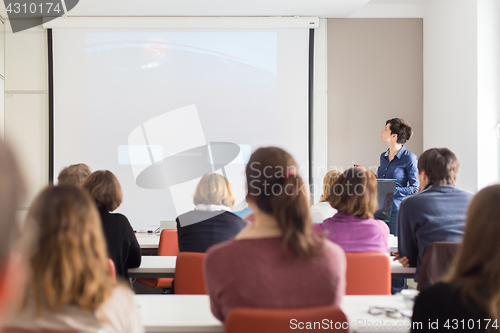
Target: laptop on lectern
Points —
{"points": [[385, 190]]}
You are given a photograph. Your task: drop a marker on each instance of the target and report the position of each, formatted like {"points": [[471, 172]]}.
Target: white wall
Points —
{"points": [[26, 104], [488, 90], [450, 83]]}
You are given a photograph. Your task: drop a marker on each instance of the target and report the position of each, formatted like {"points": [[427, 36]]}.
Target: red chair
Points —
{"points": [[112, 269], [189, 276], [368, 273], [168, 246], [251, 320]]}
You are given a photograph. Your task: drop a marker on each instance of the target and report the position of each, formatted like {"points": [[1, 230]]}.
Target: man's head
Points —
{"points": [[13, 269], [438, 166], [75, 174]]}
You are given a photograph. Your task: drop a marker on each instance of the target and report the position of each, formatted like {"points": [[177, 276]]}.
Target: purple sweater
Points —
{"points": [[253, 273], [354, 234]]}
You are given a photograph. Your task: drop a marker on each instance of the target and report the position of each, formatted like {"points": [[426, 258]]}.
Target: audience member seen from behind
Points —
{"points": [[13, 266], [471, 291], [74, 174], [437, 213], [277, 261], [211, 221], [398, 163], [122, 244], [71, 287], [323, 210], [354, 195]]}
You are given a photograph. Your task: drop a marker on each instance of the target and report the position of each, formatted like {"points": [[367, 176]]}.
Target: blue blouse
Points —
{"points": [[403, 168]]}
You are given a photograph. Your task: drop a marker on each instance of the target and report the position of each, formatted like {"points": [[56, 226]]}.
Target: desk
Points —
{"points": [[154, 267], [393, 243], [398, 271], [191, 313], [148, 241], [164, 267]]}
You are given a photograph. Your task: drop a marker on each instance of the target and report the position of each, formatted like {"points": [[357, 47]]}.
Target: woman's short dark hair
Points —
{"points": [[401, 128], [105, 190], [440, 165]]}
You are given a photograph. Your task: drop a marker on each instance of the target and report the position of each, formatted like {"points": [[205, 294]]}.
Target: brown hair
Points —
{"points": [[277, 189], [475, 269], [214, 189], [74, 174], [12, 190], [401, 128], [328, 182], [440, 165], [105, 189], [355, 193], [70, 266]]}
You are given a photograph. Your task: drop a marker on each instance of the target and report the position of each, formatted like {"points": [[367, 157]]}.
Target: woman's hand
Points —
{"points": [[403, 260]]}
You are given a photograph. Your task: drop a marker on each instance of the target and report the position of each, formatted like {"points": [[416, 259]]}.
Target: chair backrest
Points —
{"points": [[251, 320], [112, 269], [368, 273], [168, 245], [189, 277], [436, 262]]}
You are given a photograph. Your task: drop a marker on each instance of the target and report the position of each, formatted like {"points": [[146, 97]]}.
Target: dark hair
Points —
{"points": [[355, 193], [74, 174], [105, 190], [440, 165], [475, 269], [401, 128], [277, 189]]}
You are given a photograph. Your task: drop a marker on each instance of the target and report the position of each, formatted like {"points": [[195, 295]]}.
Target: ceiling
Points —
{"points": [[318, 8]]}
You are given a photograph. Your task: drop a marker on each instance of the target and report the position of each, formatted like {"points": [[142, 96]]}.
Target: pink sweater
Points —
{"points": [[253, 273]]}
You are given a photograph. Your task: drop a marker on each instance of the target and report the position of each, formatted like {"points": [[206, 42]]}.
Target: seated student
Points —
{"points": [[323, 210], [354, 195], [71, 286], [277, 261], [122, 244], [74, 174], [470, 295], [13, 263], [211, 221], [437, 213]]}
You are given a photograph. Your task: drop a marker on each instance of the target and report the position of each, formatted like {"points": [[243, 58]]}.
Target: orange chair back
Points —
{"points": [[368, 273], [189, 276], [112, 269], [168, 245], [251, 320]]}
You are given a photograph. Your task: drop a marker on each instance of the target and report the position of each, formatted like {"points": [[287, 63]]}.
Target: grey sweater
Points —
{"points": [[435, 214]]}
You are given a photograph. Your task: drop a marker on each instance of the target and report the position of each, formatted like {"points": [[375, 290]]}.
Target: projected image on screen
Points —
{"points": [[162, 107], [171, 107]]}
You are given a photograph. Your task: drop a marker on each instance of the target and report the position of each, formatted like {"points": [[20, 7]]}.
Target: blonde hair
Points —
{"points": [[105, 189], [74, 174], [330, 178], [70, 264], [214, 189], [476, 270], [355, 193]]}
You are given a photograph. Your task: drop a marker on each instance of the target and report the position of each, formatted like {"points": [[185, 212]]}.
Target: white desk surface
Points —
{"points": [[154, 267], [148, 241], [191, 313], [164, 266]]}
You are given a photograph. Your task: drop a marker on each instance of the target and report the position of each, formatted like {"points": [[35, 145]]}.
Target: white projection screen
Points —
{"points": [[162, 107]]}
